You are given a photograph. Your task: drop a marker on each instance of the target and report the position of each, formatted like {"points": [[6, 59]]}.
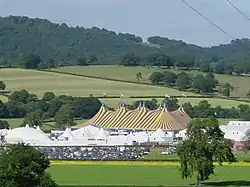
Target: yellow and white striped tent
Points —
{"points": [[140, 119]]}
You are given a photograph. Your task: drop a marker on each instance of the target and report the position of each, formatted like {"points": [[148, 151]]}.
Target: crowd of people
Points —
{"points": [[94, 153]]}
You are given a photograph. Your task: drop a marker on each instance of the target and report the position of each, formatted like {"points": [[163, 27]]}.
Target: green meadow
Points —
{"points": [[143, 175], [240, 83], [38, 82]]}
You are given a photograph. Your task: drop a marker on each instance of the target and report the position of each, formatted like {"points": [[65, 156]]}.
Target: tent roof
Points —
{"points": [[140, 119], [102, 135], [26, 133], [39, 129], [67, 134], [89, 131]]}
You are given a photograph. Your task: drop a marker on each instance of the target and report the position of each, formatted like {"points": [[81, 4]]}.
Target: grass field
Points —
{"points": [[194, 101], [143, 175], [38, 82], [3, 98], [128, 73], [16, 122]]}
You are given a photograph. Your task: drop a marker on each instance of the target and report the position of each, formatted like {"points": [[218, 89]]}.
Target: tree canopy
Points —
{"points": [[22, 165], [39, 43], [205, 144]]}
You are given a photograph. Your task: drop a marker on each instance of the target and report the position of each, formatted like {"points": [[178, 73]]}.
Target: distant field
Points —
{"points": [[143, 175], [16, 122], [241, 84], [39, 82], [194, 101]]}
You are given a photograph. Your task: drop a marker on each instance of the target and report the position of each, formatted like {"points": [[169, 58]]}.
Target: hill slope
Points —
{"points": [[240, 83], [38, 82], [20, 35]]}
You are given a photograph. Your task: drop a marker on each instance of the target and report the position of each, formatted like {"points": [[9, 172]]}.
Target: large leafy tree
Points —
{"points": [[138, 76], [199, 83], [2, 85], [205, 144], [156, 77], [23, 166], [64, 117], [183, 81], [130, 59], [225, 89], [34, 118], [31, 60]]}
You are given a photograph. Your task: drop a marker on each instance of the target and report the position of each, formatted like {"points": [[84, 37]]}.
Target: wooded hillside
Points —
{"points": [[22, 35]]}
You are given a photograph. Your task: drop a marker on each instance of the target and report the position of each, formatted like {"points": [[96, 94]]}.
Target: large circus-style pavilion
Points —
{"points": [[140, 119]]}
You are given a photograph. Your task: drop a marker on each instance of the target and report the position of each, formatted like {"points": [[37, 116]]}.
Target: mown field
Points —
{"points": [[241, 84], [16, 122], [38, 82], [114, 102], [142, 175]]}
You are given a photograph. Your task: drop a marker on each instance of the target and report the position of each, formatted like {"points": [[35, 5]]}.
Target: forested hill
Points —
{"points": [[22, 35]]}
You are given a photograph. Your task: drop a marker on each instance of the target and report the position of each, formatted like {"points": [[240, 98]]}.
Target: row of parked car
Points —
{"points": [[169, 151]]}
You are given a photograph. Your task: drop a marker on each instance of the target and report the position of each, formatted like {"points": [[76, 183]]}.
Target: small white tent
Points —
{"points": [[39, 129], [89, 131], [67, 134]]}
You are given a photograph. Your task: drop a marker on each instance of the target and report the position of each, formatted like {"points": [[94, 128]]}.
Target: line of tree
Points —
{"points": [[60, 109], [64, 109], [202, 110], [184, 81]]}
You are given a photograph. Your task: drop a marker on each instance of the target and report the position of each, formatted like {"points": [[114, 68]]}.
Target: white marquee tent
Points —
{"points": [[66, 135], [102, 135], [26, 134], [89, 131]]}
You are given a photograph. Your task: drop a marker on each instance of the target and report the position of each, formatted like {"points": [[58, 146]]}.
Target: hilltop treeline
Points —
{"points": [[64, 45]]}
